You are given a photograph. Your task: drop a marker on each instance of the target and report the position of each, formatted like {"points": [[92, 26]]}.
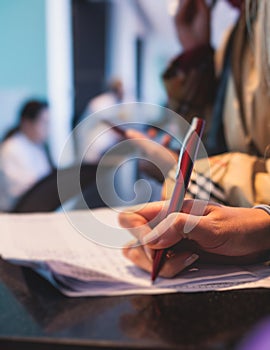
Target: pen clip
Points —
{"points": [[189, 134]]}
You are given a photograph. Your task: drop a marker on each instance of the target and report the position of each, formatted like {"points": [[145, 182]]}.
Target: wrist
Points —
{"points": [[258, 238], [248, 230]]}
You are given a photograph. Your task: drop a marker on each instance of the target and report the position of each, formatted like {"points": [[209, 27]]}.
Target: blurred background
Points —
{"points": [[66, 51]]}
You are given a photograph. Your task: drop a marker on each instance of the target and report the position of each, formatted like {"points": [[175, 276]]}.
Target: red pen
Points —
{"points": [[187, 157]]}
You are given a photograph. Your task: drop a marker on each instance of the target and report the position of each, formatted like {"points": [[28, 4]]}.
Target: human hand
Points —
{"points": [[192, 22], [218, 234], [159, 159]]}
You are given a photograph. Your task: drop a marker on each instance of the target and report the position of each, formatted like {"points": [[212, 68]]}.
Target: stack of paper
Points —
{"points": [[52, 245]]}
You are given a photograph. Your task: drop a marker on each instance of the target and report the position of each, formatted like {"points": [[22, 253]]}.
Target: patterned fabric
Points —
{"points": [[202, 187], [206, 189], [235, 179]]}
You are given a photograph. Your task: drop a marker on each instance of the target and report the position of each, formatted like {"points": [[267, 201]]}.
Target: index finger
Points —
{"points": [[148, 211]]}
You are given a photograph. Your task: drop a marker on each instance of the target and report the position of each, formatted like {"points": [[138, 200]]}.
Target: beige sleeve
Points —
{"points": [[245, 179], [262, 186]]}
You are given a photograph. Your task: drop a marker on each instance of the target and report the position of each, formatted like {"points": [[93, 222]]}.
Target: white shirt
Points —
{"points": [[102, 101], [93, 136], [22, 164]]}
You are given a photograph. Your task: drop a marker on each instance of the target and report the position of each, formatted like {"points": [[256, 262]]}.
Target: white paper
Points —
{"points": [[53, 246]]}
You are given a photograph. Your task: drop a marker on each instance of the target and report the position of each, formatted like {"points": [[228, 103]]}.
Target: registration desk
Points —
{"points": [[33, 316]]}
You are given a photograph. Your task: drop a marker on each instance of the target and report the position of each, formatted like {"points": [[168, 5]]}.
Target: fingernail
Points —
{"points": [[191, 259], [150, 237]]}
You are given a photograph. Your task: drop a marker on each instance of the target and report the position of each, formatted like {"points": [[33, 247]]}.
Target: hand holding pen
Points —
{"points": [[186, 159]]}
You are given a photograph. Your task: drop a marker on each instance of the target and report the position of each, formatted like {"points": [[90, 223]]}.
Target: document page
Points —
{"points": [[86, 258]]}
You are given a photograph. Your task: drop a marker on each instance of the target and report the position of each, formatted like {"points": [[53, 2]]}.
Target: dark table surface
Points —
{"points": [[33, 315]]}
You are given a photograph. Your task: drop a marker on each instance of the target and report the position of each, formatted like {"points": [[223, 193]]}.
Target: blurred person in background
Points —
{"points": [[90, 126], [24, 156], [112, 96]]}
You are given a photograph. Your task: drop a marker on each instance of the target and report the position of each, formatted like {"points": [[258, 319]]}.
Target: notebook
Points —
{"points": [[80, 254]]}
